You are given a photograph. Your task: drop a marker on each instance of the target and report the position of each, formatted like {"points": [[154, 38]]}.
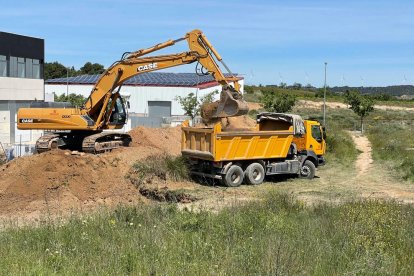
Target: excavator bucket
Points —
{"points": [[230, 104]]}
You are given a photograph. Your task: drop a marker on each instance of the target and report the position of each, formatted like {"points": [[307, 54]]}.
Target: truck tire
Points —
{"points": [[307, 170], [234, 176], [254, 174]]}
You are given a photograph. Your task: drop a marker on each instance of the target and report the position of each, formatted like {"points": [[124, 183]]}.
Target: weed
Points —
{"points": [[158, 168]]}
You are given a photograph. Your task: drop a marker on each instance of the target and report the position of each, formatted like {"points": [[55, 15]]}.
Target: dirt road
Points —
{"points": [[364, 161], [312, 104]]}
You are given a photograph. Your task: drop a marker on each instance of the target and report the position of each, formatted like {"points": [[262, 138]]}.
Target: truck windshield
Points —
{"points": [[316, 133]]}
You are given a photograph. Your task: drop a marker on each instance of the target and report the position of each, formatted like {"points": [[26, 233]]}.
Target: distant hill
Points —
{"points": [[395, 90]]}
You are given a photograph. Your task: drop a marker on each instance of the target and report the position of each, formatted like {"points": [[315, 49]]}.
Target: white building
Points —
{"points": [[21, 82], [152, 95]]}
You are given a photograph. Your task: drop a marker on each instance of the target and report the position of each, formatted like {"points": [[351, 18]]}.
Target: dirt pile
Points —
{"points": [[232, 123], [54, 183], [57, 182], [239, 122], [165, 139]]}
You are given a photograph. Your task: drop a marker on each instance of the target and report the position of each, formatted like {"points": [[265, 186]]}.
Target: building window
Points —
{"points": [[21, 68], [3, 66], [29, 68], [13, 67], [36, 69]]}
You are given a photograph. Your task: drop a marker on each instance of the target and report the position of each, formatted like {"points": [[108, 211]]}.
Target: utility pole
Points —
{"points": [[198, 83], [324, 98], [67, 82]]}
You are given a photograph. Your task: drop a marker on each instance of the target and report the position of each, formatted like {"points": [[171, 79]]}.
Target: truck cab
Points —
{"points": [[313, 141]]}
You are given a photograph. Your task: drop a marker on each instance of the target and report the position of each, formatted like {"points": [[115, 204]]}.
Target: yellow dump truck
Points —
{"points": [[279, 144]]}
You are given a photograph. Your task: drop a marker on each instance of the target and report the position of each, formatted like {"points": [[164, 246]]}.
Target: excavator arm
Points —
{"points": [[131, 64], [82, 128]]}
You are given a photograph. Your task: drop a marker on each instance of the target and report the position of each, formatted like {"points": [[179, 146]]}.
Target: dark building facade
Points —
{"points": [[21, 56], [21, 82]]}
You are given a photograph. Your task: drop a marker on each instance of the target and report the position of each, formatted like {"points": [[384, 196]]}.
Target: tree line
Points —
{"points": [[54, 70]]}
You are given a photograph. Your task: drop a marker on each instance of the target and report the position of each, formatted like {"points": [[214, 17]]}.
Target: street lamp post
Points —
{"points": [[67, 82], [324, 98]]}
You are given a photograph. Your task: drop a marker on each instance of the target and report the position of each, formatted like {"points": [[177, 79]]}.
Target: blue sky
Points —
{"points": [[368, 43]]}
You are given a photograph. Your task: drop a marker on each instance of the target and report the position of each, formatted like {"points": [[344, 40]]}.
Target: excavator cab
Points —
{"points": [[119, 114]]}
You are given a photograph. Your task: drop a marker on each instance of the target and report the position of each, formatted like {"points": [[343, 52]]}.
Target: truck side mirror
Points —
{"points": [[128, 105]]}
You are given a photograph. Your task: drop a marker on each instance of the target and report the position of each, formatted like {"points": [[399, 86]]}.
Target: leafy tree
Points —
{"points": [[54, 70], [282, 85], [309, 86], [319, 93], [209, 97], [382, 97], [74, 99], [92, 69], [362, 105], [189, 103], [248, 89], [297, 86], [192, 105], [277, 102]]}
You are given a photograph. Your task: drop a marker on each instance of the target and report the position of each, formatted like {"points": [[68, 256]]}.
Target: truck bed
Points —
{"points": [[217, 145]]}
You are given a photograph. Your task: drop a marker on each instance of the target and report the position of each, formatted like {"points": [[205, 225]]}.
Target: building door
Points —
{"points": [[159, 109]]}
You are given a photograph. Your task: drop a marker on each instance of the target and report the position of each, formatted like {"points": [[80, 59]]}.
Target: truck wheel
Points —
{"points": [[234, 176], [254, 174], [307, 170]]}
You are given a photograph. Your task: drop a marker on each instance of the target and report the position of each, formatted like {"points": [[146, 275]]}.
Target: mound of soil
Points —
{"points": [[239, 122], [232, 123], [56, 182], [165, 139]]}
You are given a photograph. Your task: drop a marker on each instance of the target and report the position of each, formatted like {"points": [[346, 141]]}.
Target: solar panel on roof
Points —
{"points": [[150, 78]]}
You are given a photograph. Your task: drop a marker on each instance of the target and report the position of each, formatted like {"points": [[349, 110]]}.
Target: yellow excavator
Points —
{"points": [[82, 128]]}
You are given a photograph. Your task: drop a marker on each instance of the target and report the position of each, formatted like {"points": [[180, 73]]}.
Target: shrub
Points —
{"points": [[158, 167]]}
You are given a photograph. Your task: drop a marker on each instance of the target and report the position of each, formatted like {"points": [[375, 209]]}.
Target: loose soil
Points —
{"points": [[364, 160], [232, 123], [57, 182]]}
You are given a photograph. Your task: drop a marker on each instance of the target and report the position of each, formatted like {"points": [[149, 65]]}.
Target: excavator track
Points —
{"points": [[105, 141], [47, 142]]}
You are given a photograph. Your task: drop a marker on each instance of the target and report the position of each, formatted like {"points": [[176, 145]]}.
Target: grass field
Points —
{"points": [[393, 144], [277, 235]]}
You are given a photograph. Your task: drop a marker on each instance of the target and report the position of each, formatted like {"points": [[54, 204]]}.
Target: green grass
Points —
{"points": [[276, 236], [393, 143]]}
